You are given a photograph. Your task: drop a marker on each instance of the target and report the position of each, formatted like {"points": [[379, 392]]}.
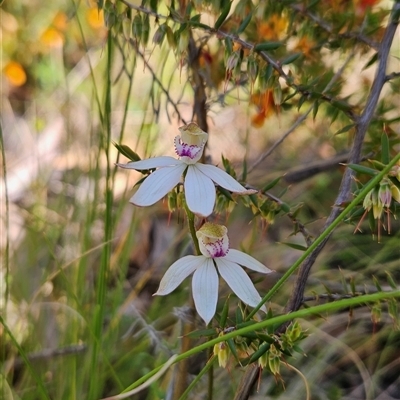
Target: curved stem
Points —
{"points": [[325, 234], [192, 229], [278, 320]]}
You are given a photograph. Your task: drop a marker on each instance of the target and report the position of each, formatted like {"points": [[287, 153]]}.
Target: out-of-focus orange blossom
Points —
{"points": [[272, 29], [15, 73], [361, 6], [51, 37], [95, 18], [305, 45], [213, 68], [60, 21], [266, 107]]}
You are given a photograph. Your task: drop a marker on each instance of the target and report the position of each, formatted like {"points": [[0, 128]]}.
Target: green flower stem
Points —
{"points": [[207, 367], [374, 181], [192, 229], [278, 320]]}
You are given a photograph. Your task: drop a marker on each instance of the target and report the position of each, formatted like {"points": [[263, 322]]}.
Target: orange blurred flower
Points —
{"points": [[51, 37], [305, 45], [15, 73], [60, 21], [272, 29], [266, 107], [95, 18], [361, 6]]}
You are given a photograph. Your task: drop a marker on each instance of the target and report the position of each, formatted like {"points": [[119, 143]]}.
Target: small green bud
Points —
{"points": [[274, 360]]}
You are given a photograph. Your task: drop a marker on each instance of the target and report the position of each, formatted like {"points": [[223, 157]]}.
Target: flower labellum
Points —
{"points": [[199, 178], [216, 256]]}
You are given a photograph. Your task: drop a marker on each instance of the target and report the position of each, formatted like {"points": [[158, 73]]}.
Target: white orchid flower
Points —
{"points": [[216, 255], [199, 178]]}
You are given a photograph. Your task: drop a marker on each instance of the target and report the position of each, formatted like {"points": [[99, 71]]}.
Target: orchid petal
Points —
{"points": [[244, 259], [177, 272], [157, 185], [199, 192], [155, 162], [205, 289], [238, 281], [221, 178]]}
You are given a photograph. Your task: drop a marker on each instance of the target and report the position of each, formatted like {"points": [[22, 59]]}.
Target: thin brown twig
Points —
{"points": [[328, 28], [49, 354], [155, 79], [346, 108], [391, 76], [300, 120]]}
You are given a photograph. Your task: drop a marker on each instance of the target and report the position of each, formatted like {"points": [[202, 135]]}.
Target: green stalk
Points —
{"points": [[42, 390], [192, 229], [324, 234], [6, 214], [99, 312], [207, 367], [278, 320]]}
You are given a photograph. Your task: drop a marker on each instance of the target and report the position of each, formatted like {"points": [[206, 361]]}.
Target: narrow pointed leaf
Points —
{"points": [[294, 246], [385, 149], [221, 19], [362, 169]]}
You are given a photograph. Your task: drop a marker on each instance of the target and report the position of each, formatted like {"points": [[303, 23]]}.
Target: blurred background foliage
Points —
{"points": [[278, 85]]}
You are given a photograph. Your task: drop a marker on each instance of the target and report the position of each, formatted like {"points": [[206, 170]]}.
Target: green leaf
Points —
{"points": [[385, 149], [225, 193], [341, 105], [353, 286], [291, 58], [344, 129], [371, 61], [285, 207], [377, 284], [244, 324], [377, 164], [315, 109], [294, 246], [391, 281], [244, 23], [239, 316], [221, 19], [266, 46], [302, 99], [153, 5], [254, 199], [127, 152], [244, 173], [261, 350], [224, 314], [201, 333], [362, 169], [232, 348], [195, 18], [270, 185]]}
